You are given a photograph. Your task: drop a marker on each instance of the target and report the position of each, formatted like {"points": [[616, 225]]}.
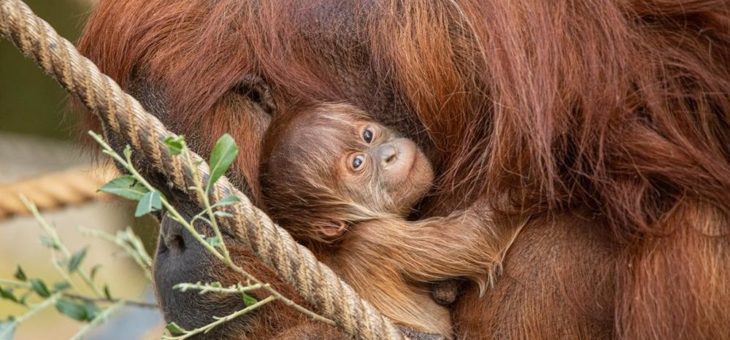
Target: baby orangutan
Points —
{"points": [[343, 185]]}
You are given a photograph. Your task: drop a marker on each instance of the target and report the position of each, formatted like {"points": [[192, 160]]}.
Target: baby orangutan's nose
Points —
{"points": [[388, 154]]}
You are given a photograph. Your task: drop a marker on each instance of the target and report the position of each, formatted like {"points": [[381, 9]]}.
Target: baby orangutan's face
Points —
{"points": [[382, 159], [334, 161], [332, 166]]}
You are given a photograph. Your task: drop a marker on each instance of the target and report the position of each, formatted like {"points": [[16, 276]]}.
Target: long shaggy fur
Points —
{"points": [[618, 111]]}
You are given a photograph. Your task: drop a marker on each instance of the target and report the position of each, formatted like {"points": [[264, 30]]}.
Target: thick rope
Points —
{"points": [[54, 190], [124, 116]]}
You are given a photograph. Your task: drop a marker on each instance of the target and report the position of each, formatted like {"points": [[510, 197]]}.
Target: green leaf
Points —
{"points": [[228, 200], [40, 288], [107, 293], [49, 242], [7, 294], [126, 187], [223, 154], [127, 152], [214, 241], [249, 300], [24, 298], [174, 144], [174, 329], [92, 310], [20, 274], [94, 270], [73, 309], [150, 202], [61, 285], [76, 259]]}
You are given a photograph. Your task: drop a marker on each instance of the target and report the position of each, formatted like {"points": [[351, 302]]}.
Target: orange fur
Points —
{"points": [[387, 259], [608, 121]]}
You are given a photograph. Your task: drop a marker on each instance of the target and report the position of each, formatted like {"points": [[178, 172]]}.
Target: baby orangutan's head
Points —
{"points": [[331, 166]]}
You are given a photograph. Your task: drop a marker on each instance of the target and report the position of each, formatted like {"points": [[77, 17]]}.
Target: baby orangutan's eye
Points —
{"points": [[358, 162], [367, 135]]}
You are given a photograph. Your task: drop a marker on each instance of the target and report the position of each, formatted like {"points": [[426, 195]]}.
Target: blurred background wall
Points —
{"points": [[38, 136], [30, 102]]}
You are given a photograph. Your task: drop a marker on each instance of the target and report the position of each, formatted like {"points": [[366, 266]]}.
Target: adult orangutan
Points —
{"points": [[606, 122]]}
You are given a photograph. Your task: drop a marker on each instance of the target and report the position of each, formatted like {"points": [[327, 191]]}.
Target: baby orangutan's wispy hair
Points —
{"points": [[301, 177]]}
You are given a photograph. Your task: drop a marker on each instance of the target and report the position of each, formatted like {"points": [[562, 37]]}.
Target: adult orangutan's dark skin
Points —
{"points": [[605, 122]]}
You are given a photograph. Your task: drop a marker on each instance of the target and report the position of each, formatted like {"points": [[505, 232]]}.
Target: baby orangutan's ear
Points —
{"points": [[333, 229]]}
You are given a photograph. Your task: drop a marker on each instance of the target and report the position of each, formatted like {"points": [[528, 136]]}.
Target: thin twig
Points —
{"points": [[206, 201], [51, 231], [229, 317], [126, 302], [129, 242], [13, 283], [35, 309], [101, 317], [175, 215], [208, 288]]}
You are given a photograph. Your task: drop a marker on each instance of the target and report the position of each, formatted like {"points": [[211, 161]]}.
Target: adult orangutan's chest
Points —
{"points": [[558, 281]]}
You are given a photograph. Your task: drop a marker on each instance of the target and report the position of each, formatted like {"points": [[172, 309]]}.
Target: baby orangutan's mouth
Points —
{"points": [[413, 161], [406, 149]]}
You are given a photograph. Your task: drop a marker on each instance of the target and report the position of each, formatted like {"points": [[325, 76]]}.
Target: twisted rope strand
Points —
{"points": [[54, 190], [124, 116]]}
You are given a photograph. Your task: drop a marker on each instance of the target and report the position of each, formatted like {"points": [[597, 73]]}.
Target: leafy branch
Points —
{"points": [[135, 187], [251, 303], [8, 327], [130, 243], [53, 241], [65, 295], [180, 333]]}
